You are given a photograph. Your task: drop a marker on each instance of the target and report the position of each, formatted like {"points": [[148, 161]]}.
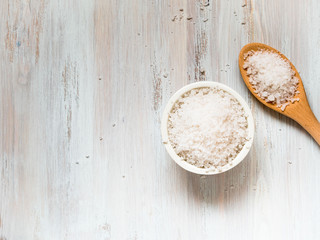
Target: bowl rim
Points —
{"points": [[164, 128]]}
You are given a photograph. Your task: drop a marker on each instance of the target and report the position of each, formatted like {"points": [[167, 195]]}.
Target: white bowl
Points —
{"points": [[187, 166]]}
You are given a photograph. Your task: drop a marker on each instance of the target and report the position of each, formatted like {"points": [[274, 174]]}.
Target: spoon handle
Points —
{"points": [[312, 125], [314, 130]]}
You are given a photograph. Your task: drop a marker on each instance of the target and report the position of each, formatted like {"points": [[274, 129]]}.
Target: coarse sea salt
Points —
{"points": [[207, 127], [272, 77]]}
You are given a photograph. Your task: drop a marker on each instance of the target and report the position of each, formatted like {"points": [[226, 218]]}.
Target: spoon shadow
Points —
{"points": [[288, 121]]}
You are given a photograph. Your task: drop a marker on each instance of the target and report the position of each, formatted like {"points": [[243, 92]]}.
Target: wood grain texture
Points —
{"points": [[83, 84]]}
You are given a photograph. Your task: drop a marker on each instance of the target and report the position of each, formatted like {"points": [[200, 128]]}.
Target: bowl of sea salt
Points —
{"points": [[207, 128]]}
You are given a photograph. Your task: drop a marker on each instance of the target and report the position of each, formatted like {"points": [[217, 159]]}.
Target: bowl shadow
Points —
{"points": [[229, 187]]}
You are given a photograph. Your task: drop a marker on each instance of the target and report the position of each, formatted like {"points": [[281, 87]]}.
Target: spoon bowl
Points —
{"points": [[299, 111]]}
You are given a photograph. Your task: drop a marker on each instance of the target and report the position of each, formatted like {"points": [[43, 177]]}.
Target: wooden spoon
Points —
{"points": [[299, 111]]}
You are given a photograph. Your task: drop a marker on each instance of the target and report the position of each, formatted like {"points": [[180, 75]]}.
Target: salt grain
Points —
{"points": [[207, 127]]}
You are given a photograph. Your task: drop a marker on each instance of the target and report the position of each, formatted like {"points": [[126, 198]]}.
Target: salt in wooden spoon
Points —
{"points": [[299, 111]]}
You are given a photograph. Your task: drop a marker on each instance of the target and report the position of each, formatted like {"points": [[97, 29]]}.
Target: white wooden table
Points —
{"points": [[82, 87]]}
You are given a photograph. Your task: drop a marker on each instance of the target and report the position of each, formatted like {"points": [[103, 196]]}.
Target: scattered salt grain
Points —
{"points": [[272, 77], [206, 4], [207, 127]]}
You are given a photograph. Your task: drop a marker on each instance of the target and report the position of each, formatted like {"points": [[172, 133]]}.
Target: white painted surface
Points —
{"points": [[55, 111]]}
